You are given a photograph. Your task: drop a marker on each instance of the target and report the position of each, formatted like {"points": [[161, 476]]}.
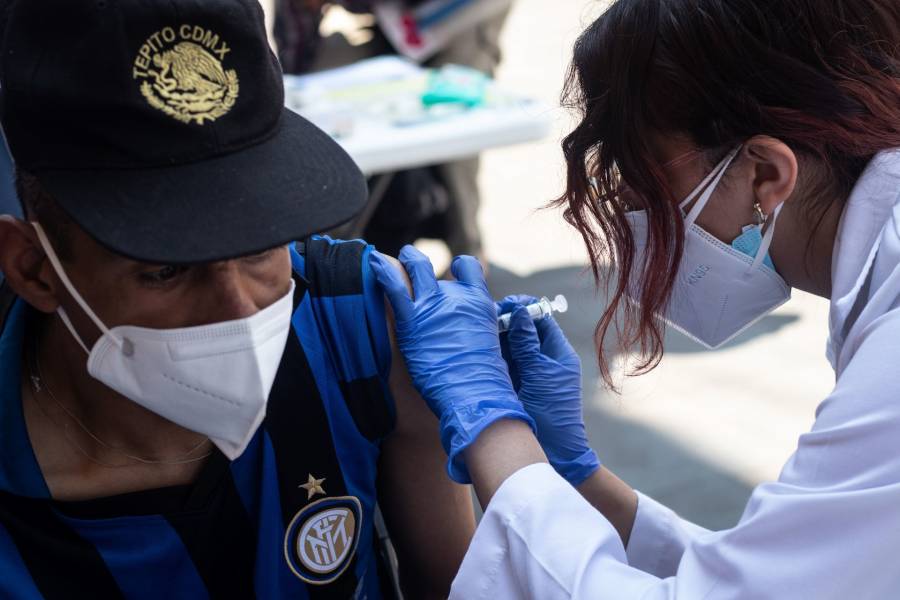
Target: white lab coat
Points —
{"points": [[829, 528]]}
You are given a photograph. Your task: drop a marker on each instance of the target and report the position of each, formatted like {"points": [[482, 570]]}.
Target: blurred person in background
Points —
{"points": [[9, 203], [728, 151], [438, 202]]}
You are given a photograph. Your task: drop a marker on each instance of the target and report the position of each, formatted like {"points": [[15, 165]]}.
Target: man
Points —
{"points": [[191, 405]]}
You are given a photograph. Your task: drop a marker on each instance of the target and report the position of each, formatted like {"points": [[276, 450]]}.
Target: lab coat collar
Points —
{"points": [[865, 271]]}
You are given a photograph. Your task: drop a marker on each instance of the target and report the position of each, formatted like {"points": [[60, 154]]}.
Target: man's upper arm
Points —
{"points": [[419, 501]]}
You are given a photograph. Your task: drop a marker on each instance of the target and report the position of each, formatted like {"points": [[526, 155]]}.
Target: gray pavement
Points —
{"points": [[643, 456]]}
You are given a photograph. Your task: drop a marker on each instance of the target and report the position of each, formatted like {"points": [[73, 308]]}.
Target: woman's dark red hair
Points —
{"points": [[822, 76]]}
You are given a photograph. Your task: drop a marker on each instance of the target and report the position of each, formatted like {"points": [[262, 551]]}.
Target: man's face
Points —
{"points": [[126, 292]]}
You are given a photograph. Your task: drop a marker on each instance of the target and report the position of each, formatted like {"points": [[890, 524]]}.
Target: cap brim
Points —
{"points": [[296, 183]]}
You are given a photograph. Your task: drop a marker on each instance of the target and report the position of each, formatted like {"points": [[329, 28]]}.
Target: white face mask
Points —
{"points": [[213, 379], [720, 290]]}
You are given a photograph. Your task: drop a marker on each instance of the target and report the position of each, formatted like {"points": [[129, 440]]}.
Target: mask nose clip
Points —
{"points": [[127, 347]]}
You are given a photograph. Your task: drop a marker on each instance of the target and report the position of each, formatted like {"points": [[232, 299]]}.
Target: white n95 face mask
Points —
{"points": [[720, 290], [213, 379]]}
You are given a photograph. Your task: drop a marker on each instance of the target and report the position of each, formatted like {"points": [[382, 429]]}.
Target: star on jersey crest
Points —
{"points": [[313, 486]]}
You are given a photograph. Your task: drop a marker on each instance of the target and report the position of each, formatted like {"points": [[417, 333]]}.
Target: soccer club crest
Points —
{"points": [[321, 540]]}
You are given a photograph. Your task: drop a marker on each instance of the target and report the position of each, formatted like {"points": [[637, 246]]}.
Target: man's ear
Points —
{"points": [[25, 266], [774, 171]]}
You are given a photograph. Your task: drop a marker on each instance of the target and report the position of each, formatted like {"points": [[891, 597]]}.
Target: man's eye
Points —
{"points": [[162, 275], [260, 256]]}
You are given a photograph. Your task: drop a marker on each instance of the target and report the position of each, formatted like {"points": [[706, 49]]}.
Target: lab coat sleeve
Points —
{"points": [[540, 539], [828, 529], [659, 538]]}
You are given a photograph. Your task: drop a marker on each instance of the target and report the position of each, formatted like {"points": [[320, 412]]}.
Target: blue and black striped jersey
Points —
{"points": [[292, 517]]}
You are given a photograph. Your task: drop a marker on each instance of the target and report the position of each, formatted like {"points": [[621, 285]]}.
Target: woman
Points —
{"points": [[729, 150]]}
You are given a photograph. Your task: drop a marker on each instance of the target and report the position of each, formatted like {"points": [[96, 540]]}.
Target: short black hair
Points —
{"points": [[38, 205]]}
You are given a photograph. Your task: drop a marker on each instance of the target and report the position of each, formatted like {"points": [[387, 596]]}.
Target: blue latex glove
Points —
{"points": [[547, 376], [448, 337]]}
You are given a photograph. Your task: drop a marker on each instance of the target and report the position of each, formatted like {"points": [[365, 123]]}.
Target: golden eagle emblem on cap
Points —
{"points": [[181, 74]]}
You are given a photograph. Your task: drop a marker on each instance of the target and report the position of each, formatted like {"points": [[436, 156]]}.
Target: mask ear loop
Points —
{"points": [[700, 187], [708, 186], [64, 317], [61, 273], [767, 239]]}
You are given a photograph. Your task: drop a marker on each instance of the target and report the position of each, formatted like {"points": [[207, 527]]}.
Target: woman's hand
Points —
{"points": [[547, 373], [448, 336]]}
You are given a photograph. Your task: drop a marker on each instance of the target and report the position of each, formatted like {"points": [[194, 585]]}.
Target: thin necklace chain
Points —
{"points": [[39, 384]]}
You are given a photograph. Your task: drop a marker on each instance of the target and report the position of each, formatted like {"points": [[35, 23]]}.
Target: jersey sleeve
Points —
{"points": [[349, 308]]}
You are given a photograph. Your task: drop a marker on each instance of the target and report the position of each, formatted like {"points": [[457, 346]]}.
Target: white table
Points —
{"points": [[461, 136], [380, 144]]}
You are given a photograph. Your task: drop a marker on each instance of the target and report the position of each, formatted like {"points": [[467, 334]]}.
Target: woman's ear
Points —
{"points": [[774, 172], [25, 266]]}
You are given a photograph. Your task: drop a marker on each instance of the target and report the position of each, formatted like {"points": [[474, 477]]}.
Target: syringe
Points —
{"points": [[539, 310]]}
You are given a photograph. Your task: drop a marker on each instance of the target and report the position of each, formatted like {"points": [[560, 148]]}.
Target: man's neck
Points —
{"points": [[109, 425]]}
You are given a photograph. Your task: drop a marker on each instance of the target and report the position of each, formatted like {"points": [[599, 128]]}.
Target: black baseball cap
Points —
{"points": [[159, 127]]}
